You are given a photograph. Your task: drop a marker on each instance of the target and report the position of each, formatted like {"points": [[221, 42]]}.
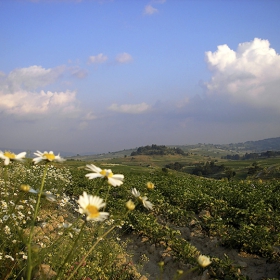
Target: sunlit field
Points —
{"points": [[115, 219]]}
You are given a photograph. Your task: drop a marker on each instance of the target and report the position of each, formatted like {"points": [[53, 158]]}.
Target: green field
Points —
{"points": [[240, 215]]}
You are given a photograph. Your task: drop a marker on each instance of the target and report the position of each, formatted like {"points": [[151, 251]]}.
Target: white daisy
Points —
{"points": [[113, 179], [9, 156], [135, 192], [47, 157], [147, 204], [27, 188], [90, 206]]}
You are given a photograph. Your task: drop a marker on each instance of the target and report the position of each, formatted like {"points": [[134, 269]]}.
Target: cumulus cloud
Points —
{"points": [[25, 102], [149, 10], [21, 92], [97, 59], [124, 58], [249, 75], [30, 78], [130, 108]]}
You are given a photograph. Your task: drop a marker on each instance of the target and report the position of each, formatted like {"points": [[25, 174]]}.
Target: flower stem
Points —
{"points": [[6, 180], [29, 251], [61, 269], [187, 272], [90, 250]]}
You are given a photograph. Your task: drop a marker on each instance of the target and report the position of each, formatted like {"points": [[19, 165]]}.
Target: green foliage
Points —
{"points": [[242, 215], [208, 168], [157, 150], [248, 156]]}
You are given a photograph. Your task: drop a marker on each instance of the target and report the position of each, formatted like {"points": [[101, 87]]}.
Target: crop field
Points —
{"points": [[150, 222]]}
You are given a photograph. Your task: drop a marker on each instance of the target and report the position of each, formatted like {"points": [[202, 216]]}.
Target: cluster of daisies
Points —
{"points": [[88, 204]]}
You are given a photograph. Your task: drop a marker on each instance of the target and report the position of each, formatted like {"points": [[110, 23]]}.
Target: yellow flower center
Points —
{"points": [[105, 173], [49, 157], [25, 188], [10, 155], [92, 211]]}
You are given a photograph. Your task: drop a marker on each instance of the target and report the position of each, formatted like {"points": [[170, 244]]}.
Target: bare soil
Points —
{"points": [[148, 256]]}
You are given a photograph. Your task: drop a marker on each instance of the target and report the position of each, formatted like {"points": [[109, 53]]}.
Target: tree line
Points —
{"points": [[157, 150], [267, 154]]}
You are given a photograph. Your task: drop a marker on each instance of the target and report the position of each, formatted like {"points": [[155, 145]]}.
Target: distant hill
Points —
{"points": [[270, 144], [157, 150]]}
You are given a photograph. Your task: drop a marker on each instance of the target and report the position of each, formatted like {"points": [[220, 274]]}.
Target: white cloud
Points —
{"points": [[100, 58], [149, 10], [124, 58], [31, 77], [21, 92], [249, 75], [25, 102], [130, 108], [78, 72]]}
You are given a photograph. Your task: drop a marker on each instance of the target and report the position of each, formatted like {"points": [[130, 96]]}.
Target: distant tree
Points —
{"points": [[230, 173], [164, 170]]}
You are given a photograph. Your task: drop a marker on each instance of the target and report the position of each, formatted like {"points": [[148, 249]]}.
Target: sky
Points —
{"points": [[89, 76]]}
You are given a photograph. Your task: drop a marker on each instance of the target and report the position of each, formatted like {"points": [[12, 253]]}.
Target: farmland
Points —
{"points": [[235, 222]]}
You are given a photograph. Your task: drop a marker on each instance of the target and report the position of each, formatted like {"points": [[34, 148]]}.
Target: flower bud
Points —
{"points": [[203, 261], [130, 205]]}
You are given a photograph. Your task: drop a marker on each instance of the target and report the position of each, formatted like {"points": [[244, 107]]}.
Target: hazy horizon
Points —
{"points": [[97, 76]]}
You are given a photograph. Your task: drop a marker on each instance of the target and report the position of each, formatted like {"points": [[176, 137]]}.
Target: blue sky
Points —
{"points": [[97, 76]]}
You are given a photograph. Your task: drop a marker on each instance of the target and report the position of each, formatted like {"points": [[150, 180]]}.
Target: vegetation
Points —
{"points": [[157, 150], [47, 231], [246, 156]]}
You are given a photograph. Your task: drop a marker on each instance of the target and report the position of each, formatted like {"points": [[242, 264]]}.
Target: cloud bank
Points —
{"points": [[250, 75], [21, 92]]}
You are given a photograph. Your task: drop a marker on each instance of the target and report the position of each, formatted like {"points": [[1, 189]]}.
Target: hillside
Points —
{"points": [[212, 150]]}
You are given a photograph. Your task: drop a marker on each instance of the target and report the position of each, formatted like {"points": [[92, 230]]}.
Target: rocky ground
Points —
{"points": [[148, 255]]}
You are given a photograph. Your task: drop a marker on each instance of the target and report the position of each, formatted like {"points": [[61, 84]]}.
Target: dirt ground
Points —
{"points": [[148, 256]]}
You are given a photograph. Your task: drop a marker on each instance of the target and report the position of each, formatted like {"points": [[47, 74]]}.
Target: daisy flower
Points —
{"points": [[203, 261], [135, 192], [47, 157], [113, 179], [90, 206], [27, 188], [9, 156], [147, 204]]}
